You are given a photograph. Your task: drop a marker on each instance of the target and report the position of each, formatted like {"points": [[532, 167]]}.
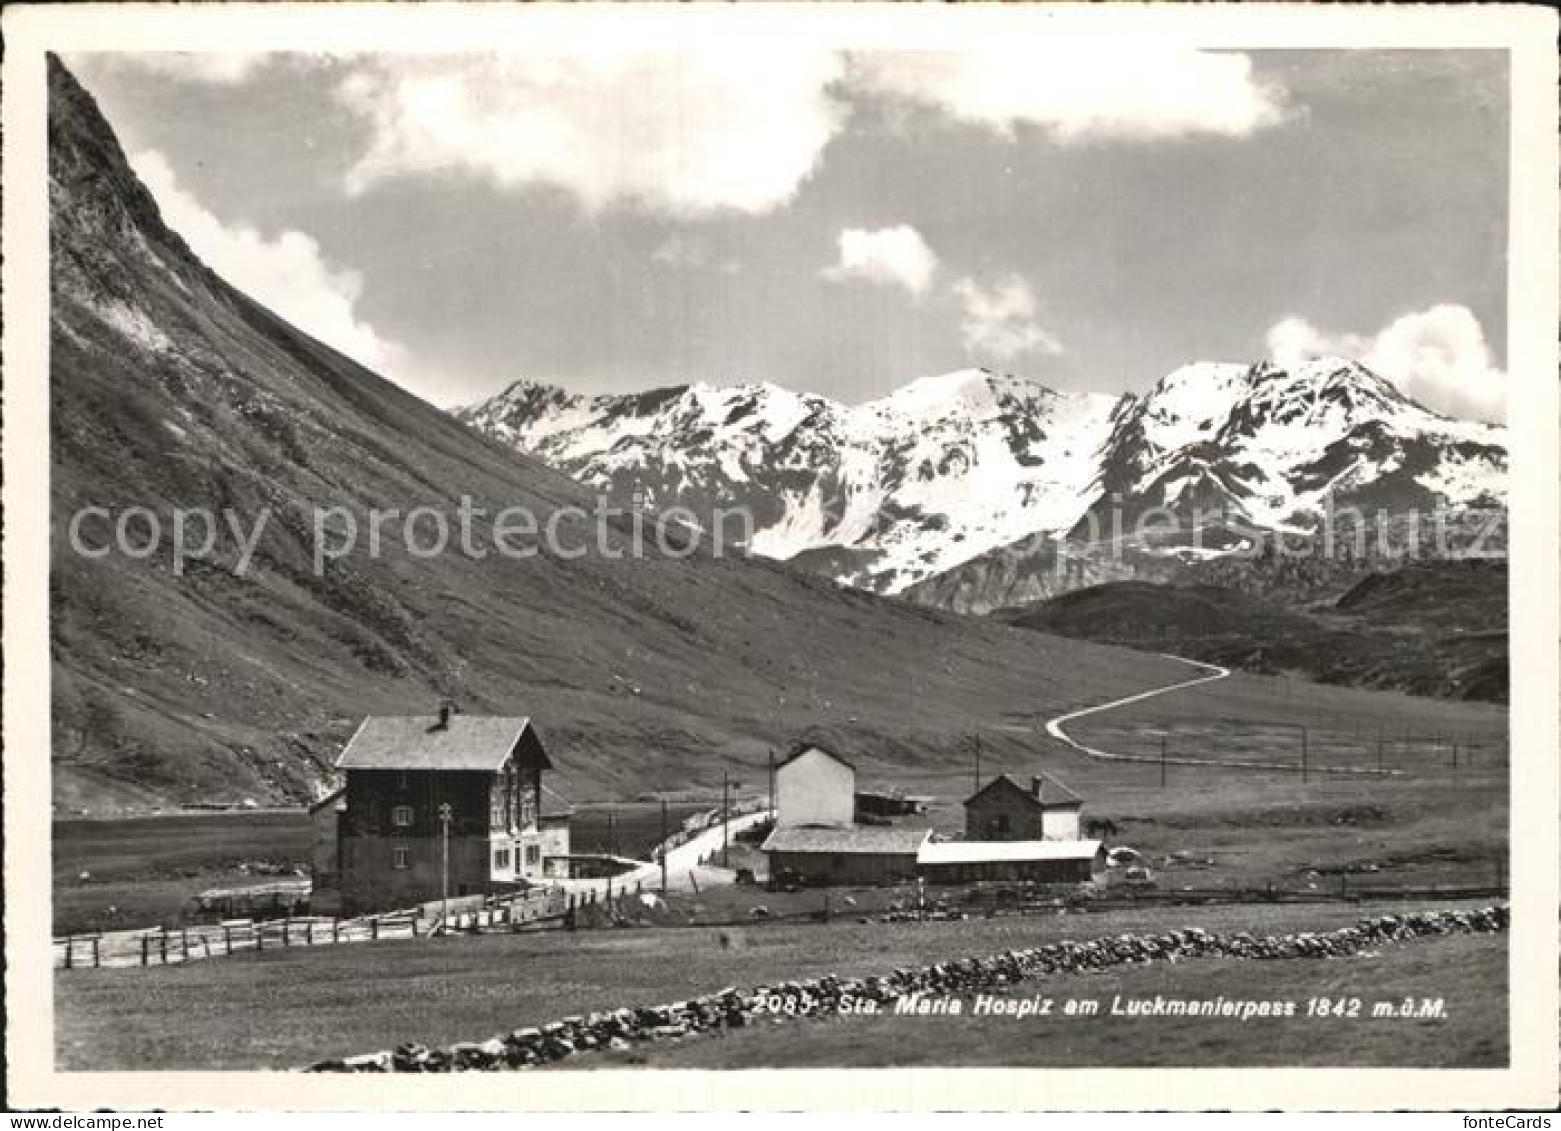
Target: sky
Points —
{"points": [[844, 223]]}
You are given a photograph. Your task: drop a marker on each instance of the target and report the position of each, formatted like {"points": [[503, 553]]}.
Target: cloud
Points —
{"points": [[680, 133], [1438, 357], [1000, 321], [288, 272], [896, 255], [1076, 93], [215, 68]]}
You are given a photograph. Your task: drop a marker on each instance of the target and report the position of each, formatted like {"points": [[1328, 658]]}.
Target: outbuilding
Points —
{"points": [[1040, 861], [855, 854]]}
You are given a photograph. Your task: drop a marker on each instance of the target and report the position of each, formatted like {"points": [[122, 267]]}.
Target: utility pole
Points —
{"points": [[445, 813], [726, 821], [978, 762], [1304, 754], [663, 846], [1162, 761], [612, 846], [1379, 751], [771, 780]]}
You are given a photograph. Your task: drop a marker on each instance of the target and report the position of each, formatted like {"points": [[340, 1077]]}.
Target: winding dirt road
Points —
{"points": [[1212, 672]]}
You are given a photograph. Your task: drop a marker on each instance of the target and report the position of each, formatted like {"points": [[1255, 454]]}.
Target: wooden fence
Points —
{"points": [[167, 946]]}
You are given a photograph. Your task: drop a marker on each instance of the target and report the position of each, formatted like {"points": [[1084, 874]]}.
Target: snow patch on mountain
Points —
{"points": [[888, 493]]}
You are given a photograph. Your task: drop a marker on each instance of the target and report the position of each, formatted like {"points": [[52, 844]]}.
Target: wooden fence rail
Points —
{"points": [[165, 946]]}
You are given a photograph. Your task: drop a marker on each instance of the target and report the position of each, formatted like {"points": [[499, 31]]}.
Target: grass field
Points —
{"points": [[1468, 973], [304, 1004], [143, 870]]}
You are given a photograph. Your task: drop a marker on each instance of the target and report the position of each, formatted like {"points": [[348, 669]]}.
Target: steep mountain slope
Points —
{"points": [[170, 389], [1434, 628], [877, 495], [940, 490]]}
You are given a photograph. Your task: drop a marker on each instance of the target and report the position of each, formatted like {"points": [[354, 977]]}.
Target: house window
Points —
{"points": [[501, 858], [533, 854], [401, 816], [399, 857]]}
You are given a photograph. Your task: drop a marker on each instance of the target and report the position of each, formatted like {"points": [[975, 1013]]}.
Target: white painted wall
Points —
{"points": [[815, 789]]}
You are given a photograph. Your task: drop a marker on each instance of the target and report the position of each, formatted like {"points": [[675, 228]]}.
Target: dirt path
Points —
{"points": [[1212, 672]]}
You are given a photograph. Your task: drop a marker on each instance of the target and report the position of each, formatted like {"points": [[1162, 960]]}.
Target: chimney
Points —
{"points": [[1035, 787], [446, 708]]}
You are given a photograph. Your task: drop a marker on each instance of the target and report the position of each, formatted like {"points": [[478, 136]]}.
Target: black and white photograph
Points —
{"points": [[683, 543]]}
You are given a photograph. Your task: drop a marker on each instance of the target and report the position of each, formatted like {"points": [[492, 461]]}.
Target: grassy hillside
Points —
{"points": [[1436, 628], [172, 390]]}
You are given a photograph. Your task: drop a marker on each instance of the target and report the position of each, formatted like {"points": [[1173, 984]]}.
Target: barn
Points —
{"points": [[833, 854], [815, 786], [1039, 861], [1005, 810], [417, 785]]}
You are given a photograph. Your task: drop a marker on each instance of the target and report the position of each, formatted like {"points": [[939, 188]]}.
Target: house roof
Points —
{"points": [[803, 747], [846, 839], [1002, 851], [419, 742], [1054, 795]]}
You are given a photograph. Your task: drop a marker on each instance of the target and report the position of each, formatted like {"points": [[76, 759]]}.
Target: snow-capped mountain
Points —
{"points": [[890, 493], [879, 494], [1273, 447]]}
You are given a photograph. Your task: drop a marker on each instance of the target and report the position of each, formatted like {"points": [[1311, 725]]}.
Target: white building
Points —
{"points": [[814, 787]]}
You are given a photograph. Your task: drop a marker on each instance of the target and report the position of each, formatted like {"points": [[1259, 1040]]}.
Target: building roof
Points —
{"points": [[846, 839], [803, 747], [1053, 793], [419, 742], [1002, 851]]}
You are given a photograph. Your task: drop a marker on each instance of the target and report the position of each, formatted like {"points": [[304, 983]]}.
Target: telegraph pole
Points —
{"points": [[1304, 754], [663, 846], [1379, 752], [1162, 761], [978, 762], [726, 822], [772, 784], [445, 813]]}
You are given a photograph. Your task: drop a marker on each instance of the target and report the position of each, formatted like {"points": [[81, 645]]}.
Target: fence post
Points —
{"points": [[68, 948], [96, 955], [257, 927], [146, 947], [373, 928], [309, 932], [335, 929], [227, 938], [287, 931], [162, 946]]}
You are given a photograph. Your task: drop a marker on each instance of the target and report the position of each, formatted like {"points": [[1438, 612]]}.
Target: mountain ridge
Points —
{"points": [[896, 492]]}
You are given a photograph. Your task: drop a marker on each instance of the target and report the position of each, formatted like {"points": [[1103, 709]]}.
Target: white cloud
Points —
{"points": [[683, 133], [217, 68], [1000, 321], [896, 255], [1076, 92], [1438, 356], [287, 272]]}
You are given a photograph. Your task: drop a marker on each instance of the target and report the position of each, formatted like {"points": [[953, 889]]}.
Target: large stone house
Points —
{"points": [[1005, 810], [392, 823]]}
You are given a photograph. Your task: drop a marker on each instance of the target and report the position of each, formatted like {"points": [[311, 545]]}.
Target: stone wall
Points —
{"points": [[733, 1008]]}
